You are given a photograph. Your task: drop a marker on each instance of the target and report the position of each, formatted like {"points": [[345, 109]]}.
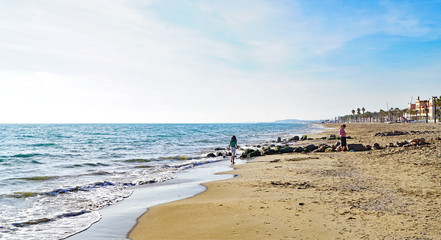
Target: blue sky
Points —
{"points": [[214, 61]]}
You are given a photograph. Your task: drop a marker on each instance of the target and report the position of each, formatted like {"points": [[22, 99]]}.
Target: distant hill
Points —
{"points": [[295, 121]]}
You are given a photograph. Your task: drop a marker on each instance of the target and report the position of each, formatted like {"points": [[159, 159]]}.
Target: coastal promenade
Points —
{"points": [[392, 193]]}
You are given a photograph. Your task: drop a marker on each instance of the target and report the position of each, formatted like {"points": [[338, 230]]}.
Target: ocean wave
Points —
{"points": [[98, 164], [176, 158], [37, 178], [144, 166], [138, 160], [86, 188], [26, 155], [43, 144], [45, 220], [73, 166], [21, 194]]}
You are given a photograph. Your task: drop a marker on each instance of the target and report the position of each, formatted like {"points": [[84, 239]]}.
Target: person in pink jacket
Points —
{"points": [[343, 137]]}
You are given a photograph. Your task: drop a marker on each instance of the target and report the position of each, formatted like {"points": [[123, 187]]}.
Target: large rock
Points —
{"points": [[279, 139], [211, 155], [248, 151], [304, 137], [269, 151], [295, 138], [286, 150], [356, 147], [311, 148], [254, 154], [298, 150]]}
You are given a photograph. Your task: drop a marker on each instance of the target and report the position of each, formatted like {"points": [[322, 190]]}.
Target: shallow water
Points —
{"points": [[57, 176]]}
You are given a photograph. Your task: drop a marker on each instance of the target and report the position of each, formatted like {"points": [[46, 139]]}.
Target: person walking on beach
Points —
{"points": [[233, 147], [343, 137]]}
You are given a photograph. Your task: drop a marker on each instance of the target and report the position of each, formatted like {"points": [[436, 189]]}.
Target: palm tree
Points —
{"points": [[397, 113], [438, 104], [358, 114], [353, 113], [382, 113], [363, 110]]}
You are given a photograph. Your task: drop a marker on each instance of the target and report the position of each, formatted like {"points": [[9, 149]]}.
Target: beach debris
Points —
{"points": [[302, 185], [275, 161], [402, 144], [301, 204], [219, 154], [394, 133], [368, 147], [356, 147], [418, 141], [301, 159], [219, 149], [377, 146]]}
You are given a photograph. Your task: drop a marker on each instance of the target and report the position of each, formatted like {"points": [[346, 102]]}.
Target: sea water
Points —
{"points": [[56, 177]]}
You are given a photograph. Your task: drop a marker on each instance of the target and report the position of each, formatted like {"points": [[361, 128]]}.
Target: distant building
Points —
{"points": [[422, 109]]}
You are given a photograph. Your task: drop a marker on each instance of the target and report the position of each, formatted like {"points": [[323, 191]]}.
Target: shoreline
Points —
{"points": [[109, 225], [185, 185], [389, 193]]}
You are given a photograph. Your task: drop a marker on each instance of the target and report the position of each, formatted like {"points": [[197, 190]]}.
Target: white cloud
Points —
{"points": [[116, 61]]}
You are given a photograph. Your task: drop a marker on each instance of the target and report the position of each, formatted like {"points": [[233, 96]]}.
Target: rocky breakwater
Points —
{"points": [[298, 144]]}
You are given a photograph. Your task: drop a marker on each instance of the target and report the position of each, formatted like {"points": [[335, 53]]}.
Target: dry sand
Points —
{"points": [[392, 193]]}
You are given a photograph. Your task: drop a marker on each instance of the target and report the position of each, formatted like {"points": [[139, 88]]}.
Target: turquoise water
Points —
{"points": [[58, 176]]}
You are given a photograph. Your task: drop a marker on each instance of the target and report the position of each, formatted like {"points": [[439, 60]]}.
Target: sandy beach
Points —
{"points": [[392, 193]]}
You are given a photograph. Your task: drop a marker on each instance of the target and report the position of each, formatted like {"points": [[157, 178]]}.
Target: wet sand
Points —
{"points": [[393, 193]]}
